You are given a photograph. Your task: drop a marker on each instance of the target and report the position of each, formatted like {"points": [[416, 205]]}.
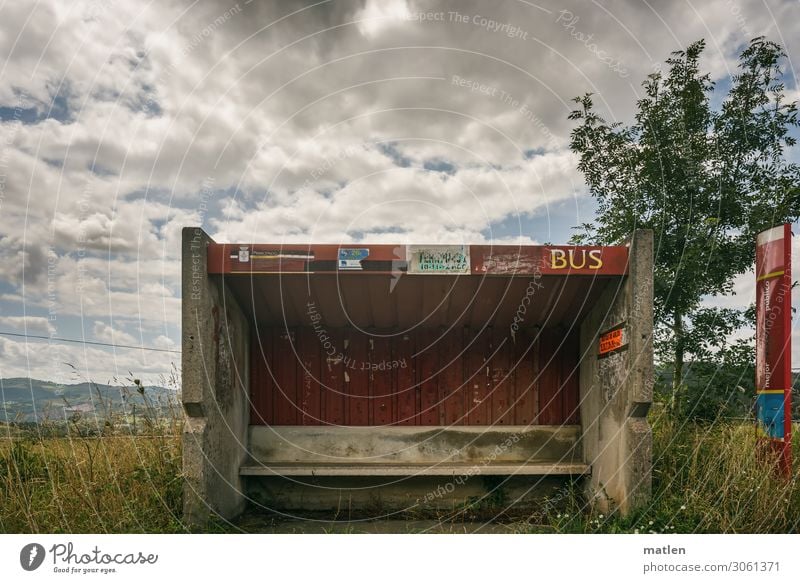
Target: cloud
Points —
{"points": [[164, 342], [342, 121], [377, 17], [27, 324], [105, 333], [22, 262], [71, 363]]}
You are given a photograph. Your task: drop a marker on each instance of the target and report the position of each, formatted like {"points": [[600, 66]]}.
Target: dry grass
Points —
{"points": [[96, 474], [706, 479], [109, 484]]}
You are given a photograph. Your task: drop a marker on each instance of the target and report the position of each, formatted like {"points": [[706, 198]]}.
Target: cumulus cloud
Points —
{"points": [[27, 324], [111, 335], [392, 121]]}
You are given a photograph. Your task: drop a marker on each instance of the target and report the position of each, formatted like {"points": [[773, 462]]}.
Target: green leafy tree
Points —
{"points": [[705, 179]]}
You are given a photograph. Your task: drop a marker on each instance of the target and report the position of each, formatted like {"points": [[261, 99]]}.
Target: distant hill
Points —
{"points": [[26, 400]]}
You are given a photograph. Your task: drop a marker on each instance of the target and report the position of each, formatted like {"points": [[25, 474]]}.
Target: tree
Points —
{"points": [[706, 180]]}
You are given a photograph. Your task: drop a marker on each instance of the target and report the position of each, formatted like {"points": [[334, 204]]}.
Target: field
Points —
{"points": [[93, 484], [705, 480]]}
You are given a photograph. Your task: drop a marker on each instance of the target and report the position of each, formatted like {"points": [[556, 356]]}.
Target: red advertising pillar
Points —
{"points": [[773, 343]]}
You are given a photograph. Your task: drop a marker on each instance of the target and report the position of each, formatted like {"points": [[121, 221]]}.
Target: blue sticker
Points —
{"points": [[769, 415], [352, 258]]}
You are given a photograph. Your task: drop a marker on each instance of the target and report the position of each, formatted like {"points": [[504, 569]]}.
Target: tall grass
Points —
{"points": [[706, 479], [93, 475], [88, 485]]}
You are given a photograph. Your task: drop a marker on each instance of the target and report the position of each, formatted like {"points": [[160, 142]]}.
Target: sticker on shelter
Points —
{"points": [[612, 341], [352, 258], [438, 259]]}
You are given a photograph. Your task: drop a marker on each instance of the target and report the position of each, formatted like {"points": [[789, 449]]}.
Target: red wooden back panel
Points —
{"points": [[551, 406], [476, 376], [334, 401], [380, 376], [310, 397], [570, 377], [285, 366], [357, 379], [428, 376], [405, 380], [262, 387], [451, 378], [351, 377], [526, 381], [502, 378]]}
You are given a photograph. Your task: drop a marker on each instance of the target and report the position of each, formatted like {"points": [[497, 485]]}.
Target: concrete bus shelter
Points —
{"points": [[378, 378]]}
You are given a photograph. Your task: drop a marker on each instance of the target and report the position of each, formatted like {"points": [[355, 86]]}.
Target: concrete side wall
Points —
{"points": [[215, 377], [616, 391]]}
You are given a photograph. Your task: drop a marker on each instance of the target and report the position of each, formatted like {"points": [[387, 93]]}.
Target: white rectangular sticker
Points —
{"points": [[438, 259]]}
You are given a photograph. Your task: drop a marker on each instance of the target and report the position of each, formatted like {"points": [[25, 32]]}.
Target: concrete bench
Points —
{"points": [[413, 470]]}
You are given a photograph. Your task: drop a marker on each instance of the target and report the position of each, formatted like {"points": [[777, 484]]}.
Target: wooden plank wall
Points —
{"points": [[464, 376]]}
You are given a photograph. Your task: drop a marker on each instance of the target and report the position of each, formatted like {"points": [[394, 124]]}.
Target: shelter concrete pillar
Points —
{"points": [[616, 385], [215, 381]]}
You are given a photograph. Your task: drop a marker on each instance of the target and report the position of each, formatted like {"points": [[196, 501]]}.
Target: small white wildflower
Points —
{"points": [[683, 507], [651, 523], [601, 516]]}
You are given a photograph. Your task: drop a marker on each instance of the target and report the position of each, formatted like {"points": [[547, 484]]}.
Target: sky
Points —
{"points": [[336, 121]]}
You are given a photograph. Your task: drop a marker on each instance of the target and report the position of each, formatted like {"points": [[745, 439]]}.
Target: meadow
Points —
{"points": [[706, 480]]}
